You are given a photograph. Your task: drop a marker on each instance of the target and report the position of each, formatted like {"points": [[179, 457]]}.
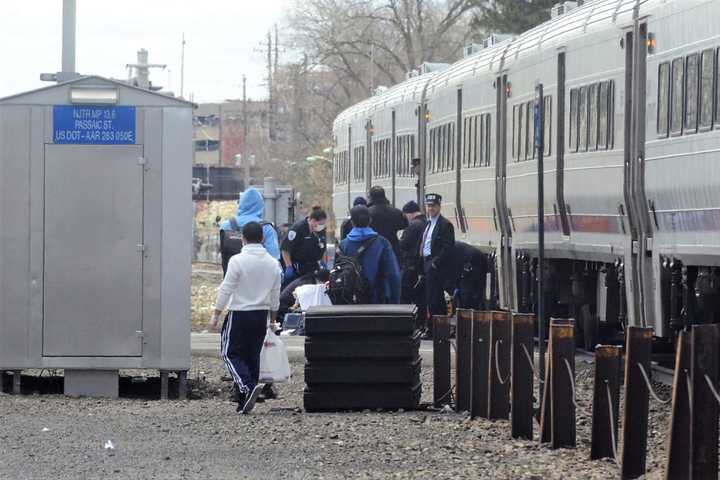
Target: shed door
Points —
{"points": [[93, 266]]}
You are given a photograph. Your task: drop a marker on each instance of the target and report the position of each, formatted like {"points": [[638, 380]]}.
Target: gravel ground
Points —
{"points": [[48, 436]]}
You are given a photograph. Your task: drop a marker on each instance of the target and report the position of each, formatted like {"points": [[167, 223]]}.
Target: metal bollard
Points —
{"points": [[638, 348], [442, 389], [480, 396], [499, 358], [562, 407], [463, 359], [704, 444], [606, 402], [522, 361], [678, 462]]}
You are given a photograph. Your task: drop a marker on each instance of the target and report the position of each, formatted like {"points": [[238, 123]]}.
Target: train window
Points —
{"points": [[678, 83], [663, 114], [521, 132], [362, 163], [530, 136], [514, 142], [433, 153], [466, 141], [583, 120], [453, 146], [449, 146], [479, 140], [486, 139], [593, 116], [440, 147], [706, 89], [547, 125], [604, 116], [691, 92], [573, 137]]}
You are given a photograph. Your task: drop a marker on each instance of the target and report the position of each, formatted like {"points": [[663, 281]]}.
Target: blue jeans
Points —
{"points": [[242, 338]]}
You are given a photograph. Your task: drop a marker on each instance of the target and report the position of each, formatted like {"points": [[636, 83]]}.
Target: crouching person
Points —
{"points": [[251, 292]]}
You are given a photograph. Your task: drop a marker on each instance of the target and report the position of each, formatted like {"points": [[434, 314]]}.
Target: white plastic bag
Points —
{"points": [[312, 296], [274, 364]]}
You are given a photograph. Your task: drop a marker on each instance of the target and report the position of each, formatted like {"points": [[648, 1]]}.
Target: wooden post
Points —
{"points": [[163, 385], [442, 393], [704, 445], [463, 359], [678, 462], [522, 376], [562, 408], [607, 375], [638, 349], [480, 396], [17, 382], [500, 347], [545, 436], [182, 385]]}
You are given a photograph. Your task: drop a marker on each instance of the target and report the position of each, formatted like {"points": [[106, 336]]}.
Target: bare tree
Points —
{"points": [[366, 43]]}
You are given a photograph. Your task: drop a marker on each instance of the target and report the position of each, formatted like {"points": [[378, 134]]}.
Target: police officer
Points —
{"points": [[435, 249], [304, 245]]}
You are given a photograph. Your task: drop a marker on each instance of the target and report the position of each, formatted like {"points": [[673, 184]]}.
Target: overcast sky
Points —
{"points": [[223, 42]]}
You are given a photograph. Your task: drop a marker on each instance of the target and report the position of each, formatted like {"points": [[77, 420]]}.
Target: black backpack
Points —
{"points": [[348, 285], [231, 242]]}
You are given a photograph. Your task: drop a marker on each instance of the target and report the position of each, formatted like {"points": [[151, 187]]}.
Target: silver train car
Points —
{"points": [[631, 137]]}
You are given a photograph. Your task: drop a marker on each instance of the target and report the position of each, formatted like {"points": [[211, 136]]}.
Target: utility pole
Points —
{"points": [[277, 54], [68, 51], [220, 134], [245, 157], [182, 68], [271, 127]]}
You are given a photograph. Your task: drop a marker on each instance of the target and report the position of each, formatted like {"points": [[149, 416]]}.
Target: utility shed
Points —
{"points": [[95, 232]]}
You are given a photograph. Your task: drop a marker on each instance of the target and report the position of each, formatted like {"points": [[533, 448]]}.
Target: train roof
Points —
{"points": [[408, 90], [597, 14]]}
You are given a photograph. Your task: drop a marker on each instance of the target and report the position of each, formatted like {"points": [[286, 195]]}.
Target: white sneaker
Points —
{"points": [[251, 399]]}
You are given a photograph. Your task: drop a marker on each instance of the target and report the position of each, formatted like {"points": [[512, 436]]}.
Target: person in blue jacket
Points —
{"points": [[251, 209], [379, 264]]}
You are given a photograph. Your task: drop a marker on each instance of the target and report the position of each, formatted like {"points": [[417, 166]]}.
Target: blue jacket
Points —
{"points": [[380, 266], [251, 209]]}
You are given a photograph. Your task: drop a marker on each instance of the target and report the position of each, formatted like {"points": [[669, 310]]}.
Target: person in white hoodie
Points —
{"points": [[251, 293]]}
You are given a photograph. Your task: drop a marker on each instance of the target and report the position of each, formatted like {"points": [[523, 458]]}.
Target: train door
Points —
{"points": [[393, 156], [560, 149], [505, 258], [631, 256], [643, 249], [350, 169], [459, 211], [368, 155], [422, 149]]}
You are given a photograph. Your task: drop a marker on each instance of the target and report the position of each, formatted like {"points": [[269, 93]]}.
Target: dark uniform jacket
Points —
{"points": [[443, 240], [345, 228], [306, 248], [387, 221], [410, 243]]}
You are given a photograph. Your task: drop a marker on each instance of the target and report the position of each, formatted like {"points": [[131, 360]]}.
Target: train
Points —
{"points": [[631, 161]]}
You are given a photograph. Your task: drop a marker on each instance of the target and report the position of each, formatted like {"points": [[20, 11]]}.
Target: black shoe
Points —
{"points": [[236, 395], [251, 399], [268, 392], [241, 400]]}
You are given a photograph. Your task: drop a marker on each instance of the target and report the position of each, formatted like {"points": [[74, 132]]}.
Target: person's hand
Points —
{"points": [[289, 273], [214, 320]]}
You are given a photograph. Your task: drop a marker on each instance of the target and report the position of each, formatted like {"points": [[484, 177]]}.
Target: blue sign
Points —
{"points": [[93, 125]]}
